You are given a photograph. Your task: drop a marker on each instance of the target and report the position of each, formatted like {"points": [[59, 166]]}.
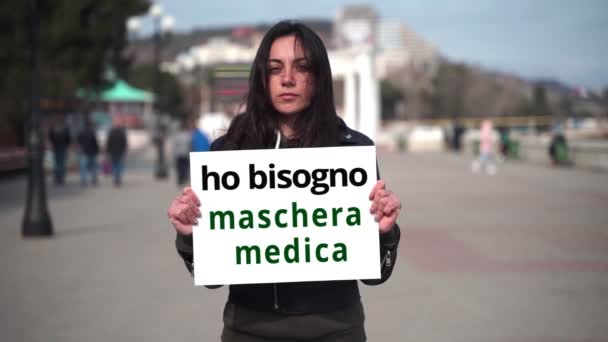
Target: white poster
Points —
{"points": [[285, 215]]}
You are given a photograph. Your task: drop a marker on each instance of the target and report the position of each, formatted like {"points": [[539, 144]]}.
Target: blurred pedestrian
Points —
{"points": [[182, 143], [200, 141], [60, 138], [116, 148], [558, 148], [505, 143], [158, 140], [89, 149], [290, 104], [487, 151]]}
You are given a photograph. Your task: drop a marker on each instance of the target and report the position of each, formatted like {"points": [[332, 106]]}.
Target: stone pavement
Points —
{"points": [[517, 257]]}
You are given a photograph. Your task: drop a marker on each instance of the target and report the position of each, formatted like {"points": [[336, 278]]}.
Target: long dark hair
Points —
{"points": [[316, 126]]}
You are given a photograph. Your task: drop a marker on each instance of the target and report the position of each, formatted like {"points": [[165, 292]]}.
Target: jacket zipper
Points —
{"points": [[276, 298], [387, 259]]}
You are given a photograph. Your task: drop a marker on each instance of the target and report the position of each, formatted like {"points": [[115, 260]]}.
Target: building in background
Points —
{"points": [[355, 25], [422, 53], [399, 48], [390, 35], [390, 43], [363, 49]]}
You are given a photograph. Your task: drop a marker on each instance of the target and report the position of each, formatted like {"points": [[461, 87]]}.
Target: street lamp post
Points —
{"points": [[36, 219], [162, 25]]}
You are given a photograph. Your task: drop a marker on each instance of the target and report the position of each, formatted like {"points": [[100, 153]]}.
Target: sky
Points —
{"points": [[563, 40]]}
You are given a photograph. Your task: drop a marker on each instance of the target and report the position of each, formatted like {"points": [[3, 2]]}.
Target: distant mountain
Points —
{"points": [[554, 85]]}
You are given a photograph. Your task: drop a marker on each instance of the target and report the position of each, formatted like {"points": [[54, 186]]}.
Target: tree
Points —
{"points": [[78, 40], [450, 90], [540, 105], [605, 101], [170, 100], [389, 98]]}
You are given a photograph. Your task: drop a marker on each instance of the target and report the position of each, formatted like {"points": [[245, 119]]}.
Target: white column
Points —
{"points": [[369, 96], [350, 98]]}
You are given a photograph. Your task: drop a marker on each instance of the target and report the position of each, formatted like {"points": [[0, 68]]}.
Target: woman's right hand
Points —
{"points": [[184, 211]]}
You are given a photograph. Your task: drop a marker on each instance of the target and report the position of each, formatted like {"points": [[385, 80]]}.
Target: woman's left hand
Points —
{"points": [[385, 207]]}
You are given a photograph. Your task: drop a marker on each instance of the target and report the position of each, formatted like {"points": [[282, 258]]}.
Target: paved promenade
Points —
{"points": [[521, 256]]}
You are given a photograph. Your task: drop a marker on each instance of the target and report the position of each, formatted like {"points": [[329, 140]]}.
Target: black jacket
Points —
{"points": [[117, 142], [87, 139], [60, 138], [305, 297]]}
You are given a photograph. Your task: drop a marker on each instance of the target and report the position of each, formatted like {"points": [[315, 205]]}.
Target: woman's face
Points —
{"points": [[290, 79]]}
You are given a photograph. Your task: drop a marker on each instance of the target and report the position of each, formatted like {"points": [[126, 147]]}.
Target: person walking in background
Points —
{"points": [[558, 147], [159, 138], [487, 142], [60, 139], [505, 143], [200, 141], [117, 148], [182, 142], [89, 149]]}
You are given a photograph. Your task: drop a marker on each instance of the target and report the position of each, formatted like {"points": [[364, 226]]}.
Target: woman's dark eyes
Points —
{"points": [[300, 68]]}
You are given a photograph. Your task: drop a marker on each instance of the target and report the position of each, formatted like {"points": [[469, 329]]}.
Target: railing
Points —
{"points": [[13, 158]]}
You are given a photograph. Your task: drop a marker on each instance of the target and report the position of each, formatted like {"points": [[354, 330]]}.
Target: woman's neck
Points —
{"points": [[287, 125]]}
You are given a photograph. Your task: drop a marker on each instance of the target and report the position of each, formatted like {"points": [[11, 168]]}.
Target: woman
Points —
{"points": [[487, 142], [182, 144], [89, 149], [290, 104]]}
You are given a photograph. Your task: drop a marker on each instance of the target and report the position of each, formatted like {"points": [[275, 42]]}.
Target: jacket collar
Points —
{"points": [[345, 134]]}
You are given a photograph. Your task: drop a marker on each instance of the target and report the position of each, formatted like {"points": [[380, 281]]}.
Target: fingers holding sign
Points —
{"points": [[184, 212], [385, 207]]}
